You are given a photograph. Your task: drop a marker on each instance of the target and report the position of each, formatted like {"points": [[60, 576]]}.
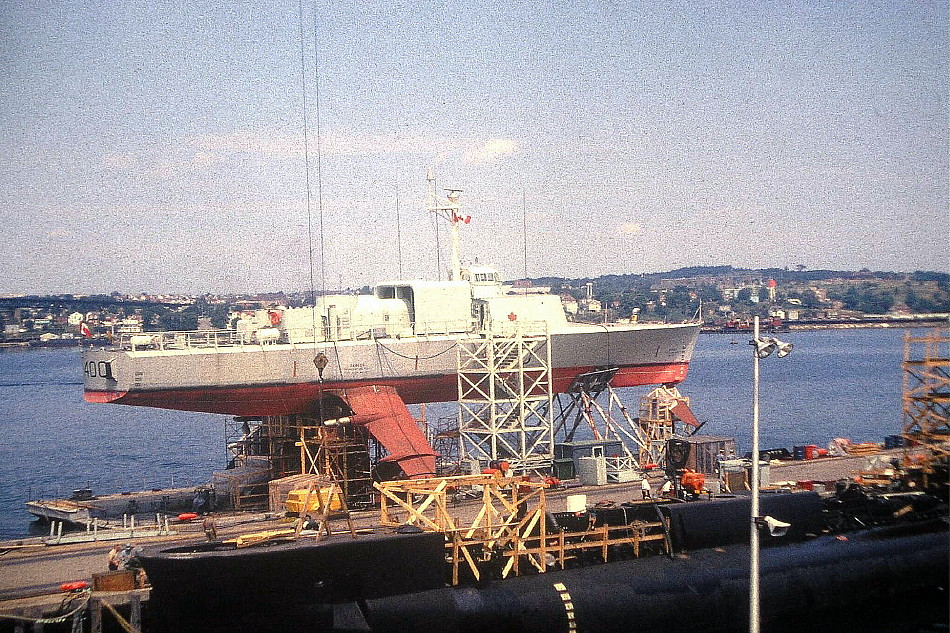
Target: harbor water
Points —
{"points": [[836, 383]]}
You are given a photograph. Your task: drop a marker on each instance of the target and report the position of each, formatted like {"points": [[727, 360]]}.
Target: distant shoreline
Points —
{"points": [[55, 343], [786, 327]]}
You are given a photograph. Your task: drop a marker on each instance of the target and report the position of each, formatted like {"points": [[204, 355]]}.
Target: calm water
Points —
{"points": [[836, 383]]}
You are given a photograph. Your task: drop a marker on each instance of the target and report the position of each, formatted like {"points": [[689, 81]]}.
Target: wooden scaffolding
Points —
{"points": [[926, 396], [657, 422], [301, 444], [509, 534]]}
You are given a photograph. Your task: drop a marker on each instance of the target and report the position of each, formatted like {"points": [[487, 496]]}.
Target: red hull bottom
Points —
{"points": [[286, 399]]}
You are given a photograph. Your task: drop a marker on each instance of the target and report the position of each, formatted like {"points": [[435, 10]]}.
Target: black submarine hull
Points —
{"points": [[872, 582], [892, 578]]}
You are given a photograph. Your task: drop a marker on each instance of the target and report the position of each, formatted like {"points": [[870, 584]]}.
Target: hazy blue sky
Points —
{"points": [[158, 146]]}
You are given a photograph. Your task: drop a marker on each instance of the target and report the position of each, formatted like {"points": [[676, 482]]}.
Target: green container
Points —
{"points": [[564, 469]]}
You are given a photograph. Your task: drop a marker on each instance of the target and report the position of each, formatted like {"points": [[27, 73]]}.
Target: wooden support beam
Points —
{"points": [[95, 615], [135, 611]]}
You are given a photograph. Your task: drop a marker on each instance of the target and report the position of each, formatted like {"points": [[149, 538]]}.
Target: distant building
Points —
{"points": [[129, 325], [75, 319], [569, 303]]}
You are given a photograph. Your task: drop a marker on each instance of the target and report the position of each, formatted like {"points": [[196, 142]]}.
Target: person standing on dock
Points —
{"points": [[645, 492], [211, 530], [667, 489], [114, 557]]}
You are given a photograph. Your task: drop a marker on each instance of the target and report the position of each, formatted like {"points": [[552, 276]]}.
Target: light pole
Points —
{"points": [[762, 347]]}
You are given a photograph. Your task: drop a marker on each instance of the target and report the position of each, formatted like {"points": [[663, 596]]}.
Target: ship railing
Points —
{"points": [[512, 328], [178, 340], [265, 336]]}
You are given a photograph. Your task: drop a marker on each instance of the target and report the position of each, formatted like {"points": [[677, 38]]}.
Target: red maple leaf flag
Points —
{"points": [[458, 216], [84, 329]]}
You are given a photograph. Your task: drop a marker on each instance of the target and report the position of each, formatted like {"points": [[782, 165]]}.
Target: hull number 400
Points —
{"points": [[98, 369]]}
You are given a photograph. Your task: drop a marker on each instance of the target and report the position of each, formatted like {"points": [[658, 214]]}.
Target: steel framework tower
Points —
{"points": [[505, 397]]}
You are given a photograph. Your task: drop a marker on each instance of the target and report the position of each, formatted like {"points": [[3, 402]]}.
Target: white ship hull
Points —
{"points": [[254, 379]]}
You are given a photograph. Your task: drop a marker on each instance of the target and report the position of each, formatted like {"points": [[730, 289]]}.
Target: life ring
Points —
{"points": [[274, 317], [187, 516], [77, 585]]}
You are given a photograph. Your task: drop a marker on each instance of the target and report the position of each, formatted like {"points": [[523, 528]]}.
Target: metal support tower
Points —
{"points": [[610, 420], [505, 398], [574, 405], [926, 399]]}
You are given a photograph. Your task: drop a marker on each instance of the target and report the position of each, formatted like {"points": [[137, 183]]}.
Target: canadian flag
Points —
{"points": [[458, 216], [84, 329]]}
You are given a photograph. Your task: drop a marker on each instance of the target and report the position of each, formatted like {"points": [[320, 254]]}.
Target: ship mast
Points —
{"points": [[450, 210]]}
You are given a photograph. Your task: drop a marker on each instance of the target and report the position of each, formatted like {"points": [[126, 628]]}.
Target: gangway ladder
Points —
{"points": [[505, 397]]}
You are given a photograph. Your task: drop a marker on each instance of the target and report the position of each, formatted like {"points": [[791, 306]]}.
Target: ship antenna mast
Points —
{"points": [[450, 210]]}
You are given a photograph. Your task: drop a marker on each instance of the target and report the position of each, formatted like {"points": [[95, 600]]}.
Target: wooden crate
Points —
{"points": [[279, 488], [123, 580]]}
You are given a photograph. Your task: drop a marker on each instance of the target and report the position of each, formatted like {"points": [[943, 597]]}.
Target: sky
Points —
{"points": [[162, 147]]}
